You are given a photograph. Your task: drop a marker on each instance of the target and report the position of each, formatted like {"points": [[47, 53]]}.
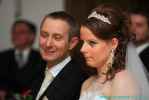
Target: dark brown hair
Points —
{"points": [[118, 28], [74, 26], [31, 26], [140, 11]]}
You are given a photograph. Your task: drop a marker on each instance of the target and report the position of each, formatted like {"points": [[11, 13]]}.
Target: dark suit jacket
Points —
{"points": [[66, 85], [19, 80], [145, 57]]}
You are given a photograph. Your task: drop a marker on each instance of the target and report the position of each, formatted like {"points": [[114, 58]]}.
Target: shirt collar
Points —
{"points": [[57, 68], [139, 49], [24, 52]]}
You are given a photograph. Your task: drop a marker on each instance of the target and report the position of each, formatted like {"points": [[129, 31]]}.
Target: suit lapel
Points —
{"points": [[30, 57], [59, 81], [12, 61], [144, 55], [36, 85]]}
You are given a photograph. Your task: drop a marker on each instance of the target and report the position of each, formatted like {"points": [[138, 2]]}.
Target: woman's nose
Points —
{"points": [[83, 48]]}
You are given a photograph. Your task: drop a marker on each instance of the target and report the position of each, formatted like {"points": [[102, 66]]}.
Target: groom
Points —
{"points": [[63, 75]]}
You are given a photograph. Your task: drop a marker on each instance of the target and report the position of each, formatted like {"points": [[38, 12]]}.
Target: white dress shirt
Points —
{"points": [[25, 55], [142, 47], [50, 74]]}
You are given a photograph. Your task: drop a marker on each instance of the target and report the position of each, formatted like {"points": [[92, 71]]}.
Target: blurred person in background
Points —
{"points": [[22, 62], [140, 28]]}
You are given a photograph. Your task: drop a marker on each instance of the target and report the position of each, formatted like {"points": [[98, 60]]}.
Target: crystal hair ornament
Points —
{"points": [[99, 16]]}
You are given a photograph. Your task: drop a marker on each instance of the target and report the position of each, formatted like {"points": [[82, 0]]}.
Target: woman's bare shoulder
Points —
{"points": [[124, 76], [87, 83], [124, 84]]}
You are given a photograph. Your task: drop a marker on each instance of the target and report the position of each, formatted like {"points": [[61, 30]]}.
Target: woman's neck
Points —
{"points": [[101, 77], [102, 72]]}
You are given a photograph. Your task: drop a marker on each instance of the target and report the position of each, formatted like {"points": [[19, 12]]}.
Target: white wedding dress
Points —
{"points": [[135, 67], [92, 93]]}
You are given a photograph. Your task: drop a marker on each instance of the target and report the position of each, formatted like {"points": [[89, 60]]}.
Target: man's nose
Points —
{"points": [[49, 42]]}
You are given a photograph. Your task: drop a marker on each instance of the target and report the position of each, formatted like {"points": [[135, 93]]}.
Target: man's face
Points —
{"points": [[140, 28], [54, 40], [21, 36]]}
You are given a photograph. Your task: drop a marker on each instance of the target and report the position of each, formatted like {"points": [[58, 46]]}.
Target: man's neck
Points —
{"points": [[53, 63], [140, 43], [22, 48], [140, 48]]}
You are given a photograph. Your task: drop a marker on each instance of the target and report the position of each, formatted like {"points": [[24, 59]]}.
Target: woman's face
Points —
{"points": [[96, 51]]}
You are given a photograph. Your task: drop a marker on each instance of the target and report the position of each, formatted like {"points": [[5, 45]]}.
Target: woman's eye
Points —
{"points": [[92, 43]]}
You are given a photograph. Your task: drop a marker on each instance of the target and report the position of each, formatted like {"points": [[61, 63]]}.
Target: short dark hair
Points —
{"points": [[29, 24], [140, 11], [116, 27], [74, 26]]}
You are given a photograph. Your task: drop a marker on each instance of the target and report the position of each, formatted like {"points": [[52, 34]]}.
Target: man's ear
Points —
{"points": [[73, 42]]}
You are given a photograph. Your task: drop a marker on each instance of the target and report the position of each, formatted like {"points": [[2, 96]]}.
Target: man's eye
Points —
{"points": [[43, 34], [58, 37]]}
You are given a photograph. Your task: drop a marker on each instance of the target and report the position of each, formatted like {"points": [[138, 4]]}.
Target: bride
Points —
{"points": [[105, 39]]}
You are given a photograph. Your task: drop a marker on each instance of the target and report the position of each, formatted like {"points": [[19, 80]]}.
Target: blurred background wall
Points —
{"points": [[34, 10]]}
